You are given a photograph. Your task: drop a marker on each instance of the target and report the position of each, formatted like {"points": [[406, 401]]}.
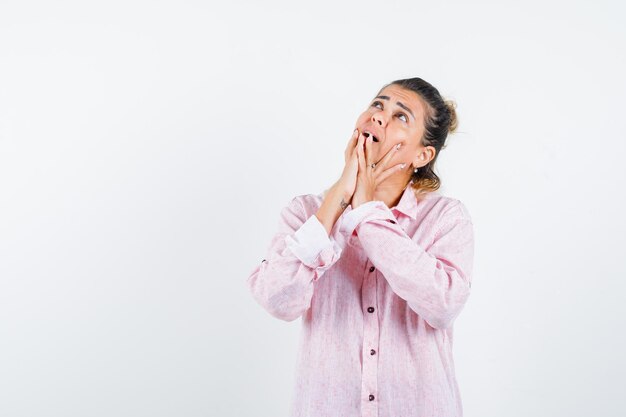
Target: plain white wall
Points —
{"points": [[147, 148]]}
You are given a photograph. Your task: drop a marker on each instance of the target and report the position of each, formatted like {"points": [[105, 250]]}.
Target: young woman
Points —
{"points": [[378, 267]]}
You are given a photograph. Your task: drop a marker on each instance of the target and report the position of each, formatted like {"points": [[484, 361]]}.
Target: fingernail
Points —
{"points": [[402, 166], [398, 146], [355, 131]]}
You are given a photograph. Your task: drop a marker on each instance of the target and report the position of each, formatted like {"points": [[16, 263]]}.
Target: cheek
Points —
{"points": [[407, 148], [400, 155]]}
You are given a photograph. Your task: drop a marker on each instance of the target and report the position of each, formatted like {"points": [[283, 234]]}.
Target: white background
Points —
{"points": [[146, 149]]}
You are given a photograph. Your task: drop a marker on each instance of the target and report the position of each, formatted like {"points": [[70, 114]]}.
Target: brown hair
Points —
{"points": [[440, 119]]}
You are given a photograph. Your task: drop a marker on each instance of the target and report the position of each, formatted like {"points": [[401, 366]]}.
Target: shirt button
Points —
{"points": [[370, 309], [372, 352], [372, 269], [371, 397]]}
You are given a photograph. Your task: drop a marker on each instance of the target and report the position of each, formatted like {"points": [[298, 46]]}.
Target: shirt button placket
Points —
{"points": [[369, 383]]}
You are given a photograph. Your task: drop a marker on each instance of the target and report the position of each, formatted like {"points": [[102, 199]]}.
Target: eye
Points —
{"points": [[406, 119]]}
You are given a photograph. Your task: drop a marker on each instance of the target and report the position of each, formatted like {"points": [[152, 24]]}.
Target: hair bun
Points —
{"points": [[454, 122]]}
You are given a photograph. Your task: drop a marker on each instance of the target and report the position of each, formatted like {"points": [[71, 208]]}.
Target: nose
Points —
{"points": [[379, 118]]}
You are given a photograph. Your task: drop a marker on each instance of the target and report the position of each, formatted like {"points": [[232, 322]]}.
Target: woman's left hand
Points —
{"points": [[368, 178]]}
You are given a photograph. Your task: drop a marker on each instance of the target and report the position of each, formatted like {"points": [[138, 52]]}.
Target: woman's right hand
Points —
{"points": [[347, 181]]}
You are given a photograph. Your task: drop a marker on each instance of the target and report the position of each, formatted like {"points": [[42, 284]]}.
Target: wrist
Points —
{"points": [[340, 190]]}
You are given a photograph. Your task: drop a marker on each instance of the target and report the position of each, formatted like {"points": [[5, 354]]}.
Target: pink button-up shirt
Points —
{"points": [[377, 298]]}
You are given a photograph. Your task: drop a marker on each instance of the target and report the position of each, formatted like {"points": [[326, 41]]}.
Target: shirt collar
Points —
{"points": [[408, 202]]}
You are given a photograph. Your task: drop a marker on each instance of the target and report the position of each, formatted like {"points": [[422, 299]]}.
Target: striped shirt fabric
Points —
{"points": [[377, 299]]}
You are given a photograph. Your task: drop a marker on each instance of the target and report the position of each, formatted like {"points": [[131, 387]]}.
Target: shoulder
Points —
{"points": [[450, 209], [458, 210]]}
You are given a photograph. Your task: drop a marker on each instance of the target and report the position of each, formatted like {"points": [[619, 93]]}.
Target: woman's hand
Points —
{"points": [[347, 181], [368, 178], [338, 196]]}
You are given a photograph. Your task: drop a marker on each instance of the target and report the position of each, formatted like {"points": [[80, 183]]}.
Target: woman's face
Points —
{"points": [[395, 116]]}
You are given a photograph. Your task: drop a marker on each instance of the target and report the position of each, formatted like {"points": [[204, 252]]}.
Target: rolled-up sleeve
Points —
{"points": [[312, 245], [435, 282], [298, 255]]}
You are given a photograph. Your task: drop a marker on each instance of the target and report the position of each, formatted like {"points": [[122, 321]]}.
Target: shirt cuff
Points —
{"points": [[374, 209], [310, 241]]}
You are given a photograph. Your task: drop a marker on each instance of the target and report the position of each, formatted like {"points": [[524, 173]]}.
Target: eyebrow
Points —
{"points": [[399, 104]]}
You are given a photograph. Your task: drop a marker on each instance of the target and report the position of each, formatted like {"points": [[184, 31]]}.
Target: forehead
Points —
{"points": [[409, 98]]}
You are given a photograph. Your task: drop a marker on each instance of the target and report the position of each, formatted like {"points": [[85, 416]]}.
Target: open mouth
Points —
{"points": [[367, 135]]}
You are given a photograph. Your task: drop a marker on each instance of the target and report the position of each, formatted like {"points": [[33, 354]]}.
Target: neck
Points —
{"points": [[390, 192]]}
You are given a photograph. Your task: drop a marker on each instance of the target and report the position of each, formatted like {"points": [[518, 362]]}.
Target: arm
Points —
{"points": [[298, 255], [335, 202], [435, 282]]}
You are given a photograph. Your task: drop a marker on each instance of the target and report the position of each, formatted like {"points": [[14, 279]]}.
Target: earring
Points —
{"points": [[415, 170]]}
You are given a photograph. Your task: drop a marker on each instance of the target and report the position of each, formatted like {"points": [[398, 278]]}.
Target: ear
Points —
{"points": [[424, 156], [418, 161]]}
